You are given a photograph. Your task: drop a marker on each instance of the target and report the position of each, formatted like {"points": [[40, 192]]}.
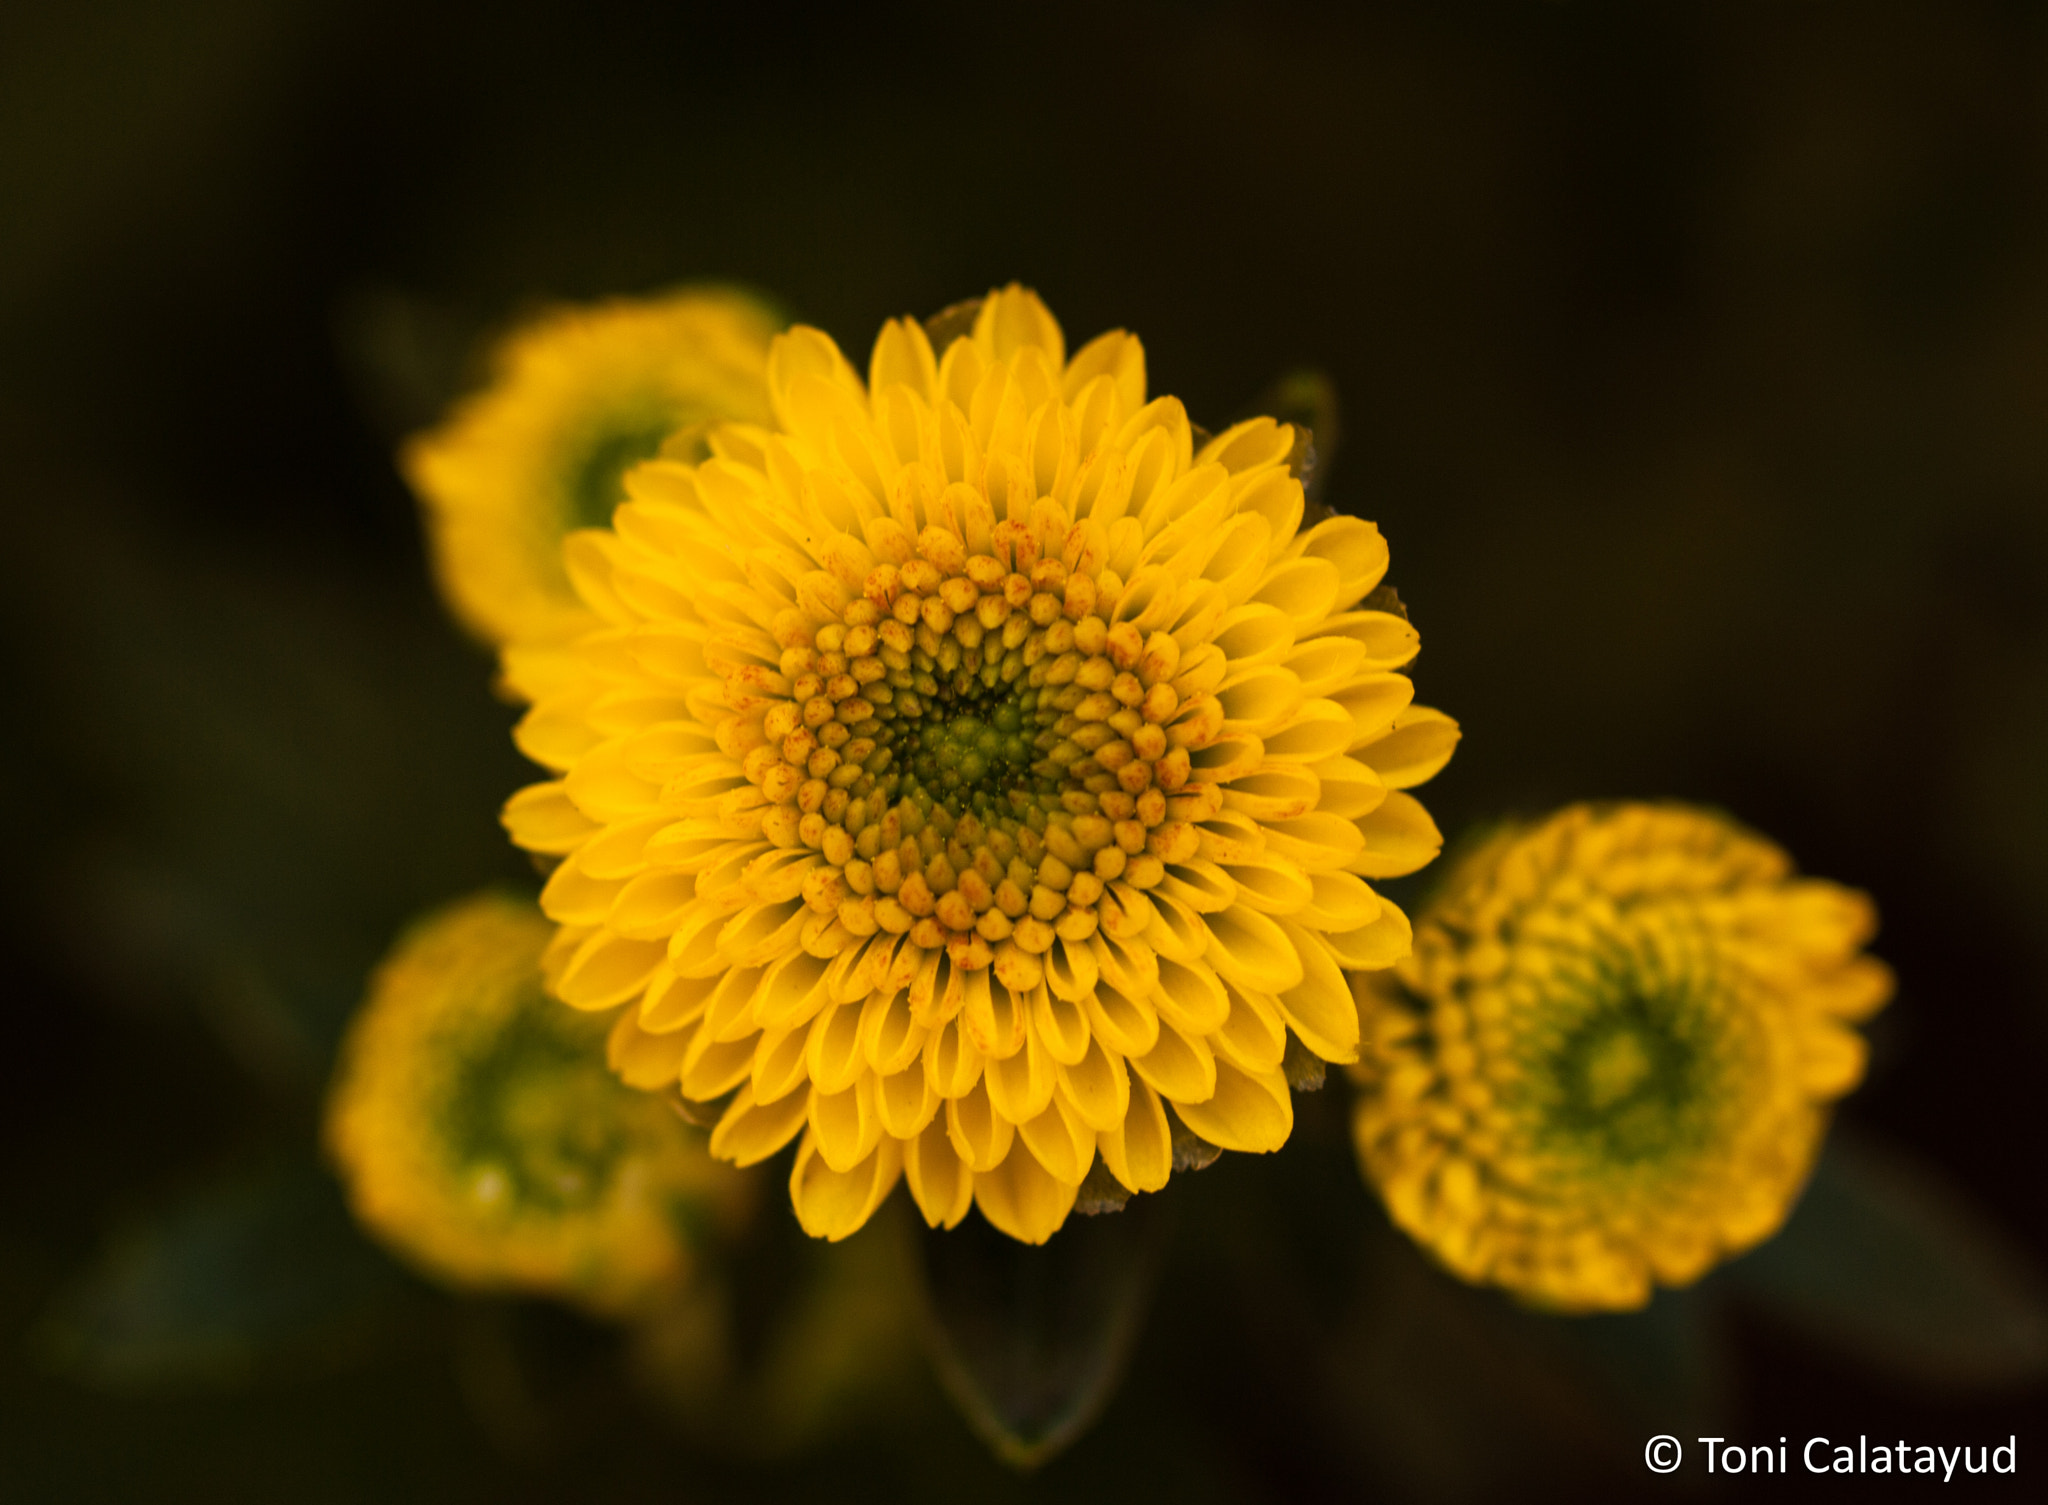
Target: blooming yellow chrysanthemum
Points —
{"points": [[973, 764], [577, 397], [480, 1134], [1610, 1057]]}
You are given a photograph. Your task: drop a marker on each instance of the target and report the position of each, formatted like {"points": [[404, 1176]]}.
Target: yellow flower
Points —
{"points": [[577, 397], [480, 1135], [1610, 1058], [973, 764]]}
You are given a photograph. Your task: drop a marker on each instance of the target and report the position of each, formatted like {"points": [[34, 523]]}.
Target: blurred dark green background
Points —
{"points": [[1694, 359]]}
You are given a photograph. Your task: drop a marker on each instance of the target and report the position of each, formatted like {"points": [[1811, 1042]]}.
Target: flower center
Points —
{"points": [[1628, 1082], [977, 760], [977, 749], [596, 471], [530, 1118]]}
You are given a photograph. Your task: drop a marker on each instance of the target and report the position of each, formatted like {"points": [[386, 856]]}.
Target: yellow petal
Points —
{"points": [[890, 1039], [749, 1131], [940, 1182], [1020, 1085], [1414, 749], [903, 356], [1012, 318], [1059, 1142], [542, 818], [1373, 702], [607, 970], [1306, 589], [1249, 1112], [1355, 548], [572, 897], [995, 1019], [981, 1136], [1127, 1027], [671, 1002], [1253, 1038], [844, 1124], [1320, 1008], [1097, 1087], [1118, 356], [1071, 969], [1379, 944], [1061, 1027], [779, 1067], [832, 1204], [905, 1102], [731, 1013], [1139, 1151], [713, 1068], [1251, 949], [643, 1060], [1322, 730], [800, 352], [1249, 445], [1271, 884], [792, 991], [1831, 1059], [1179, 1068], [951, 1061], [833, 1056], [1021, 1198], [1192, 999], [1390, 641], [1259, 700], [1399, 838]]}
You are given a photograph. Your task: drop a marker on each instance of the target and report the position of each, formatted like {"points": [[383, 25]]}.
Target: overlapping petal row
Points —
{"points": [[578, 395], [970, 767], [1608, 1062], [479, 1134]]}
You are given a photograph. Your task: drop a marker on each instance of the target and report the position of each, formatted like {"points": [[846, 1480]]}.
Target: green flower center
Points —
{"points": [[1635, 1076], [531, 1118], [595, 474], [975, 759]]}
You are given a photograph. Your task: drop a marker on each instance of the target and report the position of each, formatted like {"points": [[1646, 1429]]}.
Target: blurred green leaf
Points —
{"points": [[1886, 1262], [239, 1278], [1031, 1342]]}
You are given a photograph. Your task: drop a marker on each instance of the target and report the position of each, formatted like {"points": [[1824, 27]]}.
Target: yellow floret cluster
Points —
{"points": [[1609, 1061], [972, 768]]}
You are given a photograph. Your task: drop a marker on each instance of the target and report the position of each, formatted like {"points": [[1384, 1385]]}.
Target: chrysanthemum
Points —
{"points": [[480, 1134], [970, 766], [1610, 1058], [577, 397]]}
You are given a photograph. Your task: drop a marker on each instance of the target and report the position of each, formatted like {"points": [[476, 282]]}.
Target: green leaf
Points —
{"points": [[1889, 1264], [237, 1278], [1030, 1342]]}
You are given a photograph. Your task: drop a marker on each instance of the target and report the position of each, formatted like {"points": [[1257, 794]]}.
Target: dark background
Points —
{"points": [[1693, 358]]}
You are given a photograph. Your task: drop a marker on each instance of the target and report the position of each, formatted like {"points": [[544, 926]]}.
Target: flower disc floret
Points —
{"points": [[1609, 1061], [970, 767]]}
